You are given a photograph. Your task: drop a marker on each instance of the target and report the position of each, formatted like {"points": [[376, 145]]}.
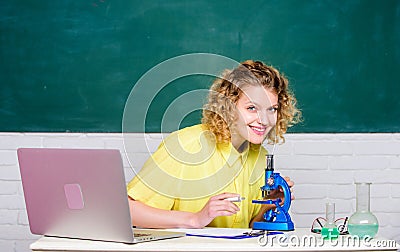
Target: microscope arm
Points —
{"points": [[286, 191]]}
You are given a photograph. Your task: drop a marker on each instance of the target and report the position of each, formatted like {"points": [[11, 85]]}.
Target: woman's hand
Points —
{"points": [[216, 206], [290, 184], [279, 193]]}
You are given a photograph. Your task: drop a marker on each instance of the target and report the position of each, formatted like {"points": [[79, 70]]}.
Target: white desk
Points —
{"points": [[298, 240]]}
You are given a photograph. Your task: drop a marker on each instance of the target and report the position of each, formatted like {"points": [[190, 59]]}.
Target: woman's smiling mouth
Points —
{"points": [[258, 130]]}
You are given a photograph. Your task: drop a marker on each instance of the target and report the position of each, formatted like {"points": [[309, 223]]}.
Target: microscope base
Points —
{"points": [[274, 226]]}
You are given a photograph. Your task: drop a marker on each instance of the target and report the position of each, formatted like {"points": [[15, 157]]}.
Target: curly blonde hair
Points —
{"points": [[219, 111]]}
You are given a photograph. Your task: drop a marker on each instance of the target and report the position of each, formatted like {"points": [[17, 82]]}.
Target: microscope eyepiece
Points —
{"points": [[270, 163]]}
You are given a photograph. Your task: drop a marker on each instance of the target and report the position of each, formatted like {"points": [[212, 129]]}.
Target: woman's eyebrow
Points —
{"points": [[258, 105]]}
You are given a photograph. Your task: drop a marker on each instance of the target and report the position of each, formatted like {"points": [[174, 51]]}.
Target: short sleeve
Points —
{"points": [[139, 190], [162, 178]]}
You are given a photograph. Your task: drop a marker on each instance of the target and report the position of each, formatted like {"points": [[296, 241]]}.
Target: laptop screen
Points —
{"points": [[77, 193]]}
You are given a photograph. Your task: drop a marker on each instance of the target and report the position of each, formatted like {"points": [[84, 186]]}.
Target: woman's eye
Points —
{"points": [[251, 108], [273, 109]]}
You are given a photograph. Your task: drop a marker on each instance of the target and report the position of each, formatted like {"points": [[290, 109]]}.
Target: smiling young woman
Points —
{"points": [[256, 115], [199, 167]]}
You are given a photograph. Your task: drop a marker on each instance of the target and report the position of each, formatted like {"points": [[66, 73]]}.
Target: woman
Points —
{"points": [[187, 182]]}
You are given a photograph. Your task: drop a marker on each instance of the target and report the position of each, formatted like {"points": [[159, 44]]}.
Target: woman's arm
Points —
{"points": [[259, 217], [150, 217]]}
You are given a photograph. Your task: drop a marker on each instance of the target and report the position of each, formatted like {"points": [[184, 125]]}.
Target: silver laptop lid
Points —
{"points": [[76, 193]]}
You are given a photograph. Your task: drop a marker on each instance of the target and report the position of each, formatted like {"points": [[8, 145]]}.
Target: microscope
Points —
{"points": [[277, 218]]}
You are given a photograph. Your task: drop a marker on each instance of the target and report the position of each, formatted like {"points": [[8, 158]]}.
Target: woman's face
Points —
{"points": [[256, 115]]}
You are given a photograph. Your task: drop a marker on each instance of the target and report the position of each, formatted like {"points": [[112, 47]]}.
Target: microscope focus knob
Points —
{"points": [[270, 181]]}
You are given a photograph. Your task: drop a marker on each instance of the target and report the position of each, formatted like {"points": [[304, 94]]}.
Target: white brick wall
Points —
{"points": [[323, 166]]}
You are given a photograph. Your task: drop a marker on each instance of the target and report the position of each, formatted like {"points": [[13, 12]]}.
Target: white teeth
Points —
{"points": [[258, 129]]}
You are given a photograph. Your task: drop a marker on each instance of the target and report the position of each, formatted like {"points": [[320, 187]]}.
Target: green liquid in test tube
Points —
{"points": [[330, 230]]}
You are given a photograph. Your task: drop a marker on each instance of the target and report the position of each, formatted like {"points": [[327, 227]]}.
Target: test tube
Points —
{"points": [[330, 230], [330, 213]]}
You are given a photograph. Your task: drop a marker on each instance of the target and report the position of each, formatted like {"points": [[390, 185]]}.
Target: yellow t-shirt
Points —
{"points": [[189, 167]]}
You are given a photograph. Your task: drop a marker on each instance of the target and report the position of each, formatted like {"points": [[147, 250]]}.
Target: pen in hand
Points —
{"points": [[235, 199]]}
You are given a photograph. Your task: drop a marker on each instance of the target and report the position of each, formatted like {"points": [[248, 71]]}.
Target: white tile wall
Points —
{"points": [[323, 166]]}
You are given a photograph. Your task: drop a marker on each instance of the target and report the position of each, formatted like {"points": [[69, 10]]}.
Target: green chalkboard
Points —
{"points": [[70, 66]]}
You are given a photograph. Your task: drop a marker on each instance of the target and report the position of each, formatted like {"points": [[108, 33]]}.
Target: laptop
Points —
{"points": [[80, 193]]}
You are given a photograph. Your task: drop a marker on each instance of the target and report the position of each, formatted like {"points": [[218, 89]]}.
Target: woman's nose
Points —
{"points": [[266, 118]]}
